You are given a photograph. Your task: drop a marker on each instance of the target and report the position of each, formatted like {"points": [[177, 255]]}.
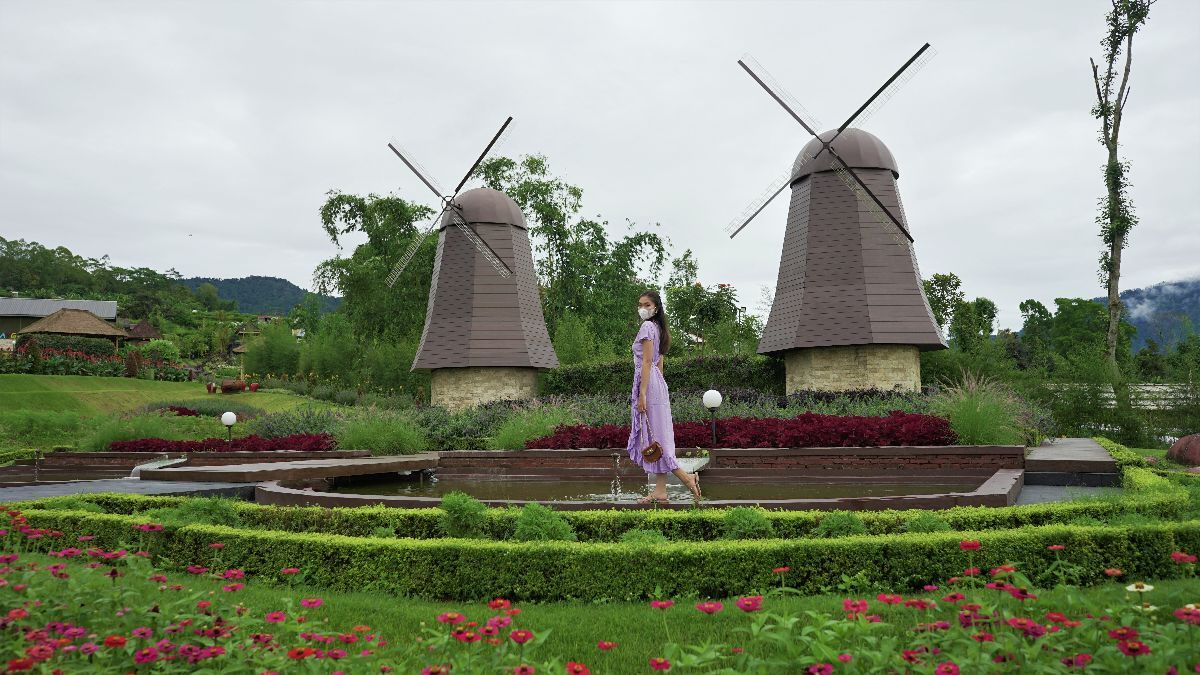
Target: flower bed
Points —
{"points": [[807, 430], [299, 442]]}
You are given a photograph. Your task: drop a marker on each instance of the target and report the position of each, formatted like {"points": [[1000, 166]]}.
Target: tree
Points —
{"points": [[944, 292], [206, 295], [708, 316], [972, 323], [1116, 216], [1035, 349]]}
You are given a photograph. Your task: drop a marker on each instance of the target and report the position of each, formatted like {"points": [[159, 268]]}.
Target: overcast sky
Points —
{"points": [[203, 136]]}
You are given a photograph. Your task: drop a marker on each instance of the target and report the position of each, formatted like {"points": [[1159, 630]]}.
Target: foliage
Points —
{"points": [[840, 524], [575, 341], [212, 407], [944, 293], [296, 443], [972, 323], [274, 351], [926, 522], [643, 537], [198, 511], [983, 412], [721, 372], [463, 516], [747, 522], [807, 430], [382, 434], [65, 343], [526, 425], [159, 350], [538, 523], [256, 295], [707, 319], [150, 425], [39, 428]]}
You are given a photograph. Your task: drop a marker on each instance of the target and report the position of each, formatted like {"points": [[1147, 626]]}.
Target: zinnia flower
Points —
{"points": [[659, 664], [662, 604], [115, 641], [969, 545], [820, 669], [276, 617], [1182, 558], [1077, 661], [1055, 547], [524, 669], [782, 570], [290, 570], [710, 607], [854, 606], [947, 668], [1133, 647], [451, 618], [499, 604], [520, 636], [574, 668], [145, 655], [1139, 587], [889, 599], [311, 603], [1113, 572], [605, 645], [750, 603]]}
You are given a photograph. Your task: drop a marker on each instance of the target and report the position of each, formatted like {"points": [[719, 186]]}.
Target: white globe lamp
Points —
{"points": [[229, 419], [712, 400]]}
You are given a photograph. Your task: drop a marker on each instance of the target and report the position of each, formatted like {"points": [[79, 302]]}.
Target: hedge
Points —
{"points": [[90, 346], [739, 371], [10, 456], [1163, 500], [467, 570]]}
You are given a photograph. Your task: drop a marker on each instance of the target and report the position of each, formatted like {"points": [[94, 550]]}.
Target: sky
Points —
{"points": [[204, 136]]}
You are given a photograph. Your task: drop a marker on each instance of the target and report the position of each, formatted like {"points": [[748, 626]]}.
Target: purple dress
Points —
{"points": [[657, 420]]}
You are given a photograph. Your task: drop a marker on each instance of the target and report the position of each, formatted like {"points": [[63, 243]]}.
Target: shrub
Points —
{"points": [[526, 425], [74, 504], [808, 430], [322, 392], [159, 350], [252, 443], [539, 523], [464, 515], [345, 397], [209, 407], [747, 522], [760, 373], [198, 511], [840, 524], [156, 426], [382, 434], [644, 537], [981, 412], [301, 421], [926, 522], [42, 428], [90, 346]]}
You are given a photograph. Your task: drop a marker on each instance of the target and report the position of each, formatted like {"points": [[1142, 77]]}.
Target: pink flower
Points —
{"points": [[231, 588], [750, 603], [889, 599], [781, 570], [659, 664], [820, 669], [520, 636], [145, 655], [845, 658], [524, 669], [1182, 558], [1077, 661], [233, 574], [969, 545], [854, 606], [662, 604], [1133, 648], [1055, 547], [499, 604], [710, 607], [216, 544], [141, 632], [499, 621], [947, 668], [451, 618], [605, 645], [290, 570], [276, 617], [196, 569], [311, 603]]}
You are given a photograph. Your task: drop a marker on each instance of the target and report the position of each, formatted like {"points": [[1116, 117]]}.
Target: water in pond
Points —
{"points": [[808, 487]]}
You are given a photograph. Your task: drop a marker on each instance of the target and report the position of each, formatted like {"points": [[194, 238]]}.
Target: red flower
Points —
{"points": [[947, 668], [845, 658], [1055, 547], [311, 603], [969, 545], [520, 636], [290, 570], [1189, 615], [499, 604], [971, 572], [605, 645], [464, 635], [782, 570], [854, 606], [1003, 569], [710, 607], [1113, 572], [659, 664], [889, 599], [820, 669], [920, 603], [298, 653], [574, 668], [1133, 647], [1123, 633], [750, 603], [1077, 661], [662, 604], [524, 670], [1182, 558], [954, 597], [114, 641], [16, 665], [451, 618]]}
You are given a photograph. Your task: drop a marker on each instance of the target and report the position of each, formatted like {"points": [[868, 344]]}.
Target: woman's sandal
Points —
{"points": [[651, 499]]}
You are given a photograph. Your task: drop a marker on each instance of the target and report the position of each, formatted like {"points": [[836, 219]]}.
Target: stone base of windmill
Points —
{"points": [[886, 367], [459, 388]]}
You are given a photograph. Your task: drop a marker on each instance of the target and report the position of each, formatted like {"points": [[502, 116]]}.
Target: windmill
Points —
{"points": [[849, 310], [485, 336]]}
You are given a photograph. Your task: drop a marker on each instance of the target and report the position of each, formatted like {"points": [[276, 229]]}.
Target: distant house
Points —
{"points": [[78, 322], [17, 313], [143, 332]]}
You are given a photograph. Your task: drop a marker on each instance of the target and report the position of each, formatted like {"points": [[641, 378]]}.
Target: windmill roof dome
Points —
{"points": [[858, 148], [485, 205]]}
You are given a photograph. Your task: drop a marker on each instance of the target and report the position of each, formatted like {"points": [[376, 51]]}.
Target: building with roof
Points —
{"points": [[17, 313], [78, 322], [144, 332]]}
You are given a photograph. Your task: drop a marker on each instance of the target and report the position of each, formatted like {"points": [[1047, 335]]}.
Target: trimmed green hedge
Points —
{"points": [[92, 346], [760, 373], [460, 569], [10, 456], [1159, 499]]}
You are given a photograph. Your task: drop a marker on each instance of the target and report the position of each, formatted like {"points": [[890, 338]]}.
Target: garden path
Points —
{"points": [[1071, 461], [127, 486]]}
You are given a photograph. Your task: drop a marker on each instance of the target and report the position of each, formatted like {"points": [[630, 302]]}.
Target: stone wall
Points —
{"points": [[856, 367], [458, 388]]}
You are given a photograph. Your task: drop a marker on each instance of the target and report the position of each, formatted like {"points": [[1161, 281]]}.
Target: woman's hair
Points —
{"points": [[659, 318]]}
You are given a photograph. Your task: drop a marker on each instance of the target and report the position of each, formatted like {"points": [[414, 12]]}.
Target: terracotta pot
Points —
{"points": [[210, 387]]}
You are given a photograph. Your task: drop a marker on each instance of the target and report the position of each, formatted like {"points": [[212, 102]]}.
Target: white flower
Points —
{"points": [[1146, 607], [1139, 587]]}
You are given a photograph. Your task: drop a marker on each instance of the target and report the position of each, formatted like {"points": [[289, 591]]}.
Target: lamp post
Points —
{"points": [[229, 419], [712, 401]]}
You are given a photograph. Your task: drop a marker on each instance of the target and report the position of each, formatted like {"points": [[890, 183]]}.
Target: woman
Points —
{"points": [[650, 401]]}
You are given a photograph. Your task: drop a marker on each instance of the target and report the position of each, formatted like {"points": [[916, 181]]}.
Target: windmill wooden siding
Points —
{"points": [[844, 277], [475, 317]]}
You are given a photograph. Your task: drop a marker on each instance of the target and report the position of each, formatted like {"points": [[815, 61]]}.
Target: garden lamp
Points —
{"points": [[229, 419], [712, 401]]}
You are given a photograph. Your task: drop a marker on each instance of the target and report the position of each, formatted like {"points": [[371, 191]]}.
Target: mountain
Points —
{"points": [[1163, 312], [261, 295]]}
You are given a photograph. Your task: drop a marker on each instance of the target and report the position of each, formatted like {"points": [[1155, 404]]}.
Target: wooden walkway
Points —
{"points": [[298, 470], [1071, 461]]}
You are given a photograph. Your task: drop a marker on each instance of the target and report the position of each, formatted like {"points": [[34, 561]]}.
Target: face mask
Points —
{"points": [[645, 312]]}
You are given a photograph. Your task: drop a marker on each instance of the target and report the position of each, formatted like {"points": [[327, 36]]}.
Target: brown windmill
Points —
{"points": [[485, 336], [849, 310]]}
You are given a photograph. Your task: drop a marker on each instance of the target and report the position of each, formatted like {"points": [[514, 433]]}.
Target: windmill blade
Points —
{"points": [[412, 250], [480, 244], [777, 92], [901, 77], [483, 154], [429, 182], [866, 197], [737, 224]]}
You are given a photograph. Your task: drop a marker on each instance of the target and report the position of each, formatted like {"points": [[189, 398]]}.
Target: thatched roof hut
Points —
{"points": [[75, 322], [144, 332]]}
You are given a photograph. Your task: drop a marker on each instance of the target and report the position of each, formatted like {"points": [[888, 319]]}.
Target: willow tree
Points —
{"points": [[1116, 216]]}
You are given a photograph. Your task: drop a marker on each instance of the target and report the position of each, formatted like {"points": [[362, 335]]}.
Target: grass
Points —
{"points": [[575, 627]]}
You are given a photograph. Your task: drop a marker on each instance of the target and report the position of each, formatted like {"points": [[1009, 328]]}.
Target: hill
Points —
{"points": [[261, 295], [1163, 312]]}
